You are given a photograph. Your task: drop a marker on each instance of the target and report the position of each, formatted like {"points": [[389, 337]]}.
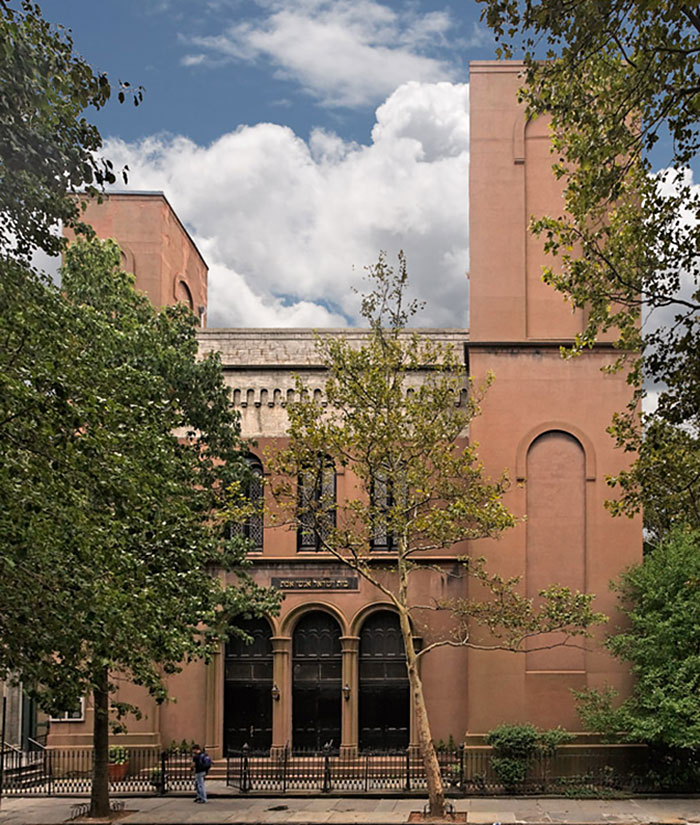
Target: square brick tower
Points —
{"points": [[544, 418], [156, 247]]}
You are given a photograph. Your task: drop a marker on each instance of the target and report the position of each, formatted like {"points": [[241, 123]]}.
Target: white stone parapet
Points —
{"points": [[261, 365]]}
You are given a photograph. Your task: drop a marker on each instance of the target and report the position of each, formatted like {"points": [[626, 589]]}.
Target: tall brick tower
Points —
{"points": [[544, 418]]}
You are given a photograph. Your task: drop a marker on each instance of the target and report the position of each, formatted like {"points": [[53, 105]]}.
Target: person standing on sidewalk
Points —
{"points": [[202, 763]]}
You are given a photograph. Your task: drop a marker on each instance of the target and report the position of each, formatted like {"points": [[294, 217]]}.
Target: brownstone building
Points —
{"points": [[329, 667]]}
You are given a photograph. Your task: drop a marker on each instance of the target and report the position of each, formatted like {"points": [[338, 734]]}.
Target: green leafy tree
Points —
{"points": [[621, 79], [107, 531], [420, 486], [47, 148], [664, 480], [661, 598], [118, 448]]}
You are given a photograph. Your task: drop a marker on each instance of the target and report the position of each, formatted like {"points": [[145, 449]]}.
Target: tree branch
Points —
{"points": [[505, 647]]}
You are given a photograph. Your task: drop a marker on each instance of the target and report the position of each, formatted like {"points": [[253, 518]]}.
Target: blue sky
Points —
{"points": [[296, 140], [208, 66]]}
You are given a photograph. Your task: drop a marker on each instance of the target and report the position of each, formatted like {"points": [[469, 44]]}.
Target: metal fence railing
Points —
{"points": [[465, 770], [68, 771]]}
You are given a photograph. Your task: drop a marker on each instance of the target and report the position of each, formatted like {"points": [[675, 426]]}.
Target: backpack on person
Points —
{"points": [[205, 762]]}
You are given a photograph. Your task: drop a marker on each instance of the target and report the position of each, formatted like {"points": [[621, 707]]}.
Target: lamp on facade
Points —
{"points": [[275, 691], [346, 691]]}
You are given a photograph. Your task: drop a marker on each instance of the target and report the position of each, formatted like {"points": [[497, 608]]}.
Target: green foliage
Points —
{"points": [[512, 618], [107, 528], [589, 786], [621, 79], [511, 771], [118, 755], [184, 746], [441, 745], [516, 746], [405, 441], [47, 148], [671, 769], [663, 481], [661, 598], [517, 741], [117, 443], [549, 740], [418, 486], [385, 433], [117, 447]]}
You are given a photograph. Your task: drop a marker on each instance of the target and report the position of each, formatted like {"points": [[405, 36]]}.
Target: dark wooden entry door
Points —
{"points": [[248, 689], [384, 707], [317, 682]]}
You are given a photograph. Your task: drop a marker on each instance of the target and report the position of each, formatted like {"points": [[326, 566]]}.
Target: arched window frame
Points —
{"points": [[253, 527], [261, 647], [183, 293], [383, 683], [316, 490]]}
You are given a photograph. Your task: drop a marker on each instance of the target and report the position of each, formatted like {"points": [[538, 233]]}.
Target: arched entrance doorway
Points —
{"points": [[384, 705], [248, 689], [316, 654]]}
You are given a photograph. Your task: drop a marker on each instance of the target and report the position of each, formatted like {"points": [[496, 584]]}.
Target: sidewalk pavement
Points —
{"points": [[331, 810]]}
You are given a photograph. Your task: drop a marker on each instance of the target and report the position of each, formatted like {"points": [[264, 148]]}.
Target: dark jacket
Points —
{"points": [[201, 765]]}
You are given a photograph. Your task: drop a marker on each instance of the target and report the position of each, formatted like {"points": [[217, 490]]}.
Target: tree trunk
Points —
{"points": [[99, 798], [436, 791]]}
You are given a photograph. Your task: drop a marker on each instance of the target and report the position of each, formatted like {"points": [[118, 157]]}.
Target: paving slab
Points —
{"points": [[356, 805], [490, 817], [310, 816], [387, 805], [489, 804], [180, 810]]}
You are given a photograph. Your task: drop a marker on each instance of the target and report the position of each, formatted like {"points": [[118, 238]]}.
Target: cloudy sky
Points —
{"points": [[296, 139]]}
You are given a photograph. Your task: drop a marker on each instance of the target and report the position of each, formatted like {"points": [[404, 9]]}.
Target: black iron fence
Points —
{"points": [[68, 771], [464, 770]]}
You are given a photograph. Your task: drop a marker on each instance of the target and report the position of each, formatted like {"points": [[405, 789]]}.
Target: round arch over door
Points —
{"points": [[316, 685], [248, 689], [384, 705]]}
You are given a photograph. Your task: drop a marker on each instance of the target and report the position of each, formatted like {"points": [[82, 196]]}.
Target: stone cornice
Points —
{"points": [[295, 349]]}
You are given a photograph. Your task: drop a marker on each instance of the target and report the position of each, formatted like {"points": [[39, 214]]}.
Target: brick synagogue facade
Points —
{"points": [[329, 667]]}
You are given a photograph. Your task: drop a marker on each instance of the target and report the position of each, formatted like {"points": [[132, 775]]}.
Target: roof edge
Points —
{"points": [[155, 193]]}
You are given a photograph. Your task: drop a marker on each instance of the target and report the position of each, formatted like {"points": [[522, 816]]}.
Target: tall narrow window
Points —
{"points": [[252, 527], [316, 487], [382, 500], [387, 494]]}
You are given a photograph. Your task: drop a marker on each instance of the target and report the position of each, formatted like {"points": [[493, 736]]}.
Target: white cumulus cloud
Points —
{"points": [[345, 53], [287, 225]]}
